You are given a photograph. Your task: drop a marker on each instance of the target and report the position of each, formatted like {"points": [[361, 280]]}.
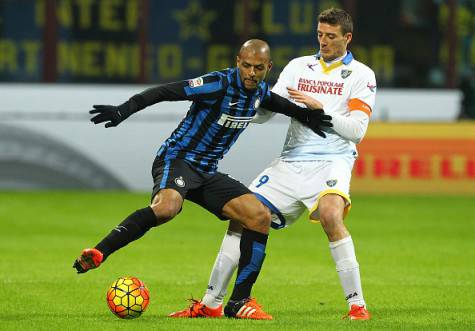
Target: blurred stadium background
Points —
{"points": [[58, 57]]}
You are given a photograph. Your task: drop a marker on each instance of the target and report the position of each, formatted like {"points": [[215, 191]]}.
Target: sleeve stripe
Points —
{"points": [[357, 104], [211, 78]]}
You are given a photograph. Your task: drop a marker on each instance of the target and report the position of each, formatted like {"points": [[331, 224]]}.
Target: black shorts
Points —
{"points": [[211, 192]]}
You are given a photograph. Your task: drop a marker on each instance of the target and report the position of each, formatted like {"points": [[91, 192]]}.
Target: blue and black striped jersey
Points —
{"points": [[222, 108]]}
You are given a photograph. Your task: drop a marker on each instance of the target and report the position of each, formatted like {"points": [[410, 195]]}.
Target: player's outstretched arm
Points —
{"points": [[114, 115], [316, 119]]}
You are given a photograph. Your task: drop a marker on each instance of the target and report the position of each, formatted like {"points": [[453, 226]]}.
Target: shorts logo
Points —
{"points": [[195, 82], [234, 122], [257, 103], [331, 182], [345, 73], [180, 182]]}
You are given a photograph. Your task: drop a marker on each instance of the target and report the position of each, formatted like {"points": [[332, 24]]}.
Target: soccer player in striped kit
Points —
{"points": [[223, 104], [312, 173]]}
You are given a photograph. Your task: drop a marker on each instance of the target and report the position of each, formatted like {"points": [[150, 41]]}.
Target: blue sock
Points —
{"points": [[253, 246]]}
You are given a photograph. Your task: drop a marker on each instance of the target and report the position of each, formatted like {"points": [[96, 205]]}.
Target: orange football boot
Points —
{"points": [[358, 313], [198, 309], [246, 309], [90, 258]]}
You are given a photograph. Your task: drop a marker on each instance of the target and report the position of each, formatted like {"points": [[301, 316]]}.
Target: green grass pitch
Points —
{"points": [[417, 259]]}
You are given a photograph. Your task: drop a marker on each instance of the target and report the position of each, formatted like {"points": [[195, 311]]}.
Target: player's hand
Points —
{"points": [[316, 117], [317, 120], [112, 115], [305, 99]]}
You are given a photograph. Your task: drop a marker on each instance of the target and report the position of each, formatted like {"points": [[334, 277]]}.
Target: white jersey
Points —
{"points": [[342, 86], [292, 184]]}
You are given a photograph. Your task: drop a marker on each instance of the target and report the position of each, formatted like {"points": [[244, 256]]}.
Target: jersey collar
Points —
{"points": [[327, 68], [346, 59]]}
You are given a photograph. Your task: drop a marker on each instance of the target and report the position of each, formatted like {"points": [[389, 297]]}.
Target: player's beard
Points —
{"points": [[253, 84]]}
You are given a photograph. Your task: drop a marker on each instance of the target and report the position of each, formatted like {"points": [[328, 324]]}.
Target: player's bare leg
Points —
{"points": [[165, 205], [331, 210]]}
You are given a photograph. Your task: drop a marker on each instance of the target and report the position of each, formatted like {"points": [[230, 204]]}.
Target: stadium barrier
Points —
{"points": [[417, 158], [47, 141]]}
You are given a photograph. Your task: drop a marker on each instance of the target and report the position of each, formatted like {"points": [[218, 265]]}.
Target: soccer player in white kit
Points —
{"points": [[312, 172]]}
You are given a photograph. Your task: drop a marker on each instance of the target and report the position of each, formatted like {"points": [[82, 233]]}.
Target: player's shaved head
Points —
{"points": [[253, 63], [257, 47]]}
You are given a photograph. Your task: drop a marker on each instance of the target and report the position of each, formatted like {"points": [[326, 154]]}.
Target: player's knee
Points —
{"points": [[330, 217], [164, 211], [260, 219], [264, 215]]}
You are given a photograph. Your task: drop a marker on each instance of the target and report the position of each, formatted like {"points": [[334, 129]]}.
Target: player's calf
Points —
{"points": [[90, 258]]}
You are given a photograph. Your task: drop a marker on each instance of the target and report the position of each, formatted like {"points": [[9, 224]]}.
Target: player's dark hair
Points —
{"points": [[337, 16]]}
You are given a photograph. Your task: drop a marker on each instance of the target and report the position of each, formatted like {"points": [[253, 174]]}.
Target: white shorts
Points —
{"points": [[288, 188]]}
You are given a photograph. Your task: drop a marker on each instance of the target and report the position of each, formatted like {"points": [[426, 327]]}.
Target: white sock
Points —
{"points": [[343, 253], [224, 266]]}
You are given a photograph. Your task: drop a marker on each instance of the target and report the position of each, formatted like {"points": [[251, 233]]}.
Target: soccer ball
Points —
{"points": [[128, 297]]}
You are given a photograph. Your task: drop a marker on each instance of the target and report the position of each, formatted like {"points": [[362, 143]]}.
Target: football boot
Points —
{"points": [[198, 309], [246, 308], [90, 258], [358, 313]]}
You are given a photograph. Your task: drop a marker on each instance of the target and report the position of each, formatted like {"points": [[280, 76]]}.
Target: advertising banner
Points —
{"points": [[416, 158]]}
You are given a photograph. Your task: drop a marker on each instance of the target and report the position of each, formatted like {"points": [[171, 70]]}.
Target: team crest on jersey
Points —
{"points": [[331, 182], [257, 103], [180, 182], [195, 82], [345, 73]]}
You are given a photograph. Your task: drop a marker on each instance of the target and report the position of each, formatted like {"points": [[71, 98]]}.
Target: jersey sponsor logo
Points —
{"points": [[332, 182], [372, 88], [195, 82], [234, 122], [345, 73], [320, 86], [180, 182], [257, 103]]}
